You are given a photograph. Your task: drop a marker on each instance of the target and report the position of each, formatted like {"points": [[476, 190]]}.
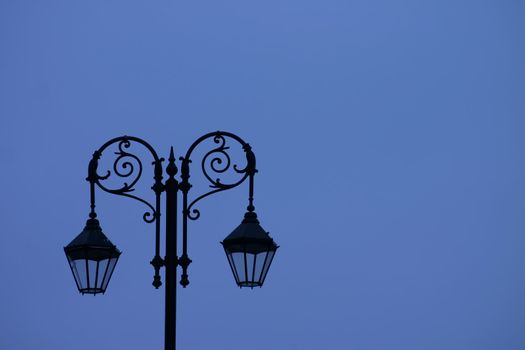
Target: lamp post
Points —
{"points": [[249, 249]]}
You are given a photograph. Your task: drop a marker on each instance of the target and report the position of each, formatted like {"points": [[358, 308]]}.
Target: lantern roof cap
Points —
{"points": [[249, 236], [91, 235], [249, 229]]}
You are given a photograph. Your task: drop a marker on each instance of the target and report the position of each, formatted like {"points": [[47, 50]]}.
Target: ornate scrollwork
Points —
{"points": [[127, 166], [215, 159], [215, 163]]}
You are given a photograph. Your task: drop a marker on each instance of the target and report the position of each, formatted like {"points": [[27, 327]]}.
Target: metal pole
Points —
{"points": [[171, 256]]}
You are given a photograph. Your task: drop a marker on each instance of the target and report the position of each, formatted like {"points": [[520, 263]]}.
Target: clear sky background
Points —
{"points": [[389, 137]]}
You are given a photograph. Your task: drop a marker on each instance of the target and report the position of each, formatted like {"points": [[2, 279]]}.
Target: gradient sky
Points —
{"points": [[389, 137]]}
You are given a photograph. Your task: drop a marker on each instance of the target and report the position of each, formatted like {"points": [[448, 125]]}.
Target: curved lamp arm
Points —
{"points": [[214, 160], [218, 161], [128, 165]]}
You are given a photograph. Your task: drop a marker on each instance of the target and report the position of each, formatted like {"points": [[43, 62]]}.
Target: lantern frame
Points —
{"points": [[244, 247], [86, 254]]}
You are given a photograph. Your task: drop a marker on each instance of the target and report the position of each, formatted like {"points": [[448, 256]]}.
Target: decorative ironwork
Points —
{"points": [[126, 165], [248, 240], [218, 161]]}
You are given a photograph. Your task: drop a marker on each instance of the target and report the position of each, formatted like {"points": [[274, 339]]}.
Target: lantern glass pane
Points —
{"points": [[232, 266], [102, 266], [80, 266], [267, 265], [250, 265], [259, 266], [92, 274], [238, 263], [74, 264], [108, 272]]}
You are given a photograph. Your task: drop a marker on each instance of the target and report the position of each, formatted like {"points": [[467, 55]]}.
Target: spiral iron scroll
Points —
{"points": [[216, 162], [126, 166]]}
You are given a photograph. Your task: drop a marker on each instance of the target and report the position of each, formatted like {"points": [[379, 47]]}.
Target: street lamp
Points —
{"points": [[249, 249]]}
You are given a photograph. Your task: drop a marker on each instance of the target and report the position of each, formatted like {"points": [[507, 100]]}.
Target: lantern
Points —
{"points": [[92, 258], [250, 251]]}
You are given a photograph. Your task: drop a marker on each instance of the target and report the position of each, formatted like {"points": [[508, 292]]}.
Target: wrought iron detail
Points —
{"points": [[215, 163], [127, 166], [248, 238]]}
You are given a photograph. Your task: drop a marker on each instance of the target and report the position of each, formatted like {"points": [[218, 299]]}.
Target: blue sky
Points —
{"points": [[389, 141]]}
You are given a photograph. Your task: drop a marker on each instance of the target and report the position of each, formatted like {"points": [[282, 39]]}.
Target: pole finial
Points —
{"points": [[171, 169]]}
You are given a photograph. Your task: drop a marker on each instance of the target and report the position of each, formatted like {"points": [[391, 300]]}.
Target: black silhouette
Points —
{"points": [[250, 250]]}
